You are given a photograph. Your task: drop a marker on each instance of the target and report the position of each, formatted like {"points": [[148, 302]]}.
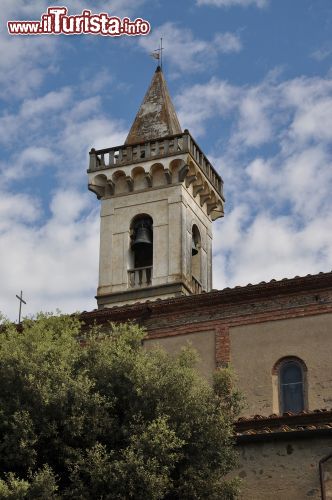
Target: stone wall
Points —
{"points": [[255, 349], [283, 469], [326, 475], [203, 342]]}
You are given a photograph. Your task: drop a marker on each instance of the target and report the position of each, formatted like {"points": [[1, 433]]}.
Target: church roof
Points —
{"points": [[197, 302], [156, 117], [284, 426], [283, 299]]}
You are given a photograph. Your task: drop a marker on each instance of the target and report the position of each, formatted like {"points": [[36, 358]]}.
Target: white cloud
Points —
{"points": [[26, 61], [197, 104], [25, 9], [68, 205], [273, 248], [303, 105], [98, 132], [280, 200], [22, 9], [233, 3], [187, 53], [119, 8], [95, 85], [55, 262], [15, 208], [28, 162], [62, 129], [227, 42], [254, 124], [8, 128], [50, 102], [322, 53], [50, 249], [33, 114], [79, 135], [310, 98]]}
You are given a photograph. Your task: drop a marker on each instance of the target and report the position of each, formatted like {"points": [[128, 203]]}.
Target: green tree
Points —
{"points": [[96, 416]]}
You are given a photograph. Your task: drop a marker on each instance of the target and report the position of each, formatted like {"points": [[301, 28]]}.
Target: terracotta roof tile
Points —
{"points": [[259, 425], [226, 295]]}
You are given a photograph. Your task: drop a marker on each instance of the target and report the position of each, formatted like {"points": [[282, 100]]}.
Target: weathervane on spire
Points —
{"points": [[158, 53]]}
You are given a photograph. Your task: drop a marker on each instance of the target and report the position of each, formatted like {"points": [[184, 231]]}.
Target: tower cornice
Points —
{"points": [[141, 152]]}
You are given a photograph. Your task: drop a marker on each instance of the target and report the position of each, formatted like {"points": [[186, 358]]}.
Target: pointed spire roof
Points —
{"points": [[156, 118]]}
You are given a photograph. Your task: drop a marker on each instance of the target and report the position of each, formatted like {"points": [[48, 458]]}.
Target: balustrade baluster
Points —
{"points": [[93, 161], [147, 150], [111, 158], [129, 151], [166, 144]]}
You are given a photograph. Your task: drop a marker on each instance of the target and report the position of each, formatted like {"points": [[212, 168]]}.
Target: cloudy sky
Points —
{"points": [[250, 79]]}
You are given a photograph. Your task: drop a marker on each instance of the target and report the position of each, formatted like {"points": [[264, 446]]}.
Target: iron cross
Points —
{"points": [[20, 298]]}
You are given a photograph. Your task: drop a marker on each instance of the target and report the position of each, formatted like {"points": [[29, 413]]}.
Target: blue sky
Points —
{"points": [[250, 79]]}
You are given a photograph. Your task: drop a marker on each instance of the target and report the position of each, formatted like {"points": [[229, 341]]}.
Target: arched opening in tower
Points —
{"points": [[141, 250], [196, 258]]}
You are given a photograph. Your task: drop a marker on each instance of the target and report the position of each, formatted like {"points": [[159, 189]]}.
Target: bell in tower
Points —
{"points": [[142, 235], [159, 196], [142, 244], [194, 250]]}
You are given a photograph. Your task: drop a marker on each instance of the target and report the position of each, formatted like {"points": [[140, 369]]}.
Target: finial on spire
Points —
{"points": [[158, 54]]}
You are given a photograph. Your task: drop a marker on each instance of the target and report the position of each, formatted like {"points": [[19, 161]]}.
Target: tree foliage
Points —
{"points": [[100, 417]]}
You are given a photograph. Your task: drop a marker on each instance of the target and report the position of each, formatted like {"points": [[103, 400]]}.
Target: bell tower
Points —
{"points": [[159, 195]]}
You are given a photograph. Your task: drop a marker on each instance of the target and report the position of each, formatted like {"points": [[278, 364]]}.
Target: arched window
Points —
{"points": [[141, 251], [196, 260], [291, 376]]}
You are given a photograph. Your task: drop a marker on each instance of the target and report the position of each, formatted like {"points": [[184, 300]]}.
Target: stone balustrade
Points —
{"points": [[140, 277], [196, 285], [168, 146]]}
